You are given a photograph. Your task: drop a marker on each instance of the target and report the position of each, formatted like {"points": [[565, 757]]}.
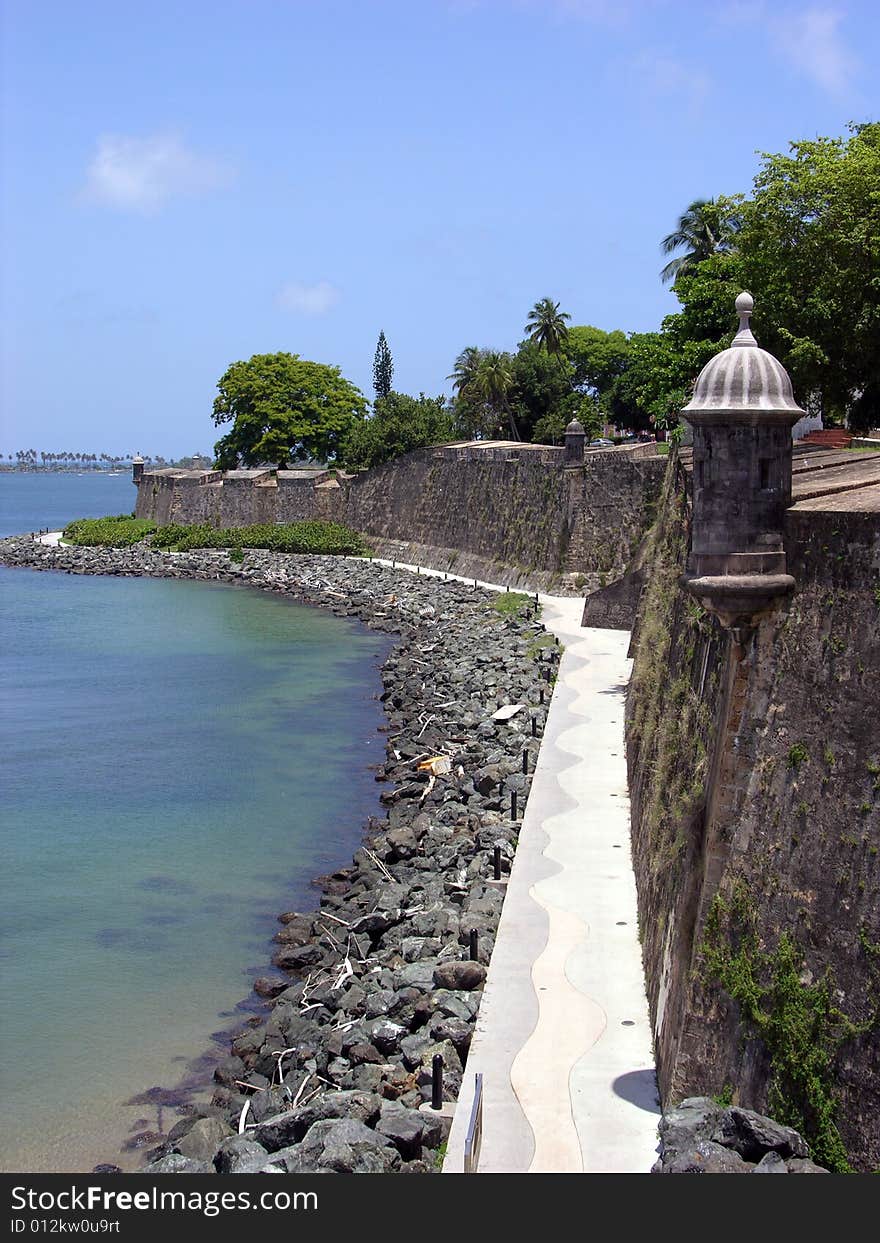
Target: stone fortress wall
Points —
{"points": [[756, 808], [518, 512]]}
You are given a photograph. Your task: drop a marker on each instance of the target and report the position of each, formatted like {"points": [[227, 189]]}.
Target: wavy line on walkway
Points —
{"points": [[569, 1021], [568, 1024]]}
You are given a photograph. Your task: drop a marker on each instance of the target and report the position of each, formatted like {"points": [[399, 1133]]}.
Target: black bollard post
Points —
{"points": [[534, 727], [474, 946], [496, 862], [540, 694], [437, 1081], [525, 762], [513, 808]]}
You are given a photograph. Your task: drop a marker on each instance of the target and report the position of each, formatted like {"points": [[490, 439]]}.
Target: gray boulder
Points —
{"points": [[343, 1147], [802, 1165], [752, 1135], [680, 1128], [387, 1035], [771, 1163], [240, 1155], [705, 1157], [290, 1127], [203, 1139], [409, 1130], [463, 976]]}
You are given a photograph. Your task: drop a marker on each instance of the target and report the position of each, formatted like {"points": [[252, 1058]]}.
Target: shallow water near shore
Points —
{"points": [[180, 760]]}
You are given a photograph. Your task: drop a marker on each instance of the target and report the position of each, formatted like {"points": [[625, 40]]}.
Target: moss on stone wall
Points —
{"points": [[795, 1017]]}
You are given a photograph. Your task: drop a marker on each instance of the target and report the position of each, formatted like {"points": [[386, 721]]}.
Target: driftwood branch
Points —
{"points": [[379, 864]]}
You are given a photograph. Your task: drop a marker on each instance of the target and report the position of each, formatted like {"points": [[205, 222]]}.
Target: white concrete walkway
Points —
{"points": [[563, 1038]]}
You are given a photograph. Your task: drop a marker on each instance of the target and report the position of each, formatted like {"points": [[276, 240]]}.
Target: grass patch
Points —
{"points": [[112, 532], [541, 643], [512, 603]]}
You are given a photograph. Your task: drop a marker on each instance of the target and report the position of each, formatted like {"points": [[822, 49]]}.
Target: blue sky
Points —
{"points": [[186, 184]]}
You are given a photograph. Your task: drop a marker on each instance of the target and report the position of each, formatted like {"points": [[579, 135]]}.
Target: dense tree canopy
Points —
{"points": [[597, 357], [398, 424], [283, 409], [541, 388], [810, 254]]}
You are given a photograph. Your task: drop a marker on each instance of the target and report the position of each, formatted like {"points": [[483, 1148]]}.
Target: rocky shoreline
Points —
{"points": [[386, 974]]}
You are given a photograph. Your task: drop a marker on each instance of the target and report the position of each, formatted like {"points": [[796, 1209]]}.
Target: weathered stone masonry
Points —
{"points": [[518, 511]]}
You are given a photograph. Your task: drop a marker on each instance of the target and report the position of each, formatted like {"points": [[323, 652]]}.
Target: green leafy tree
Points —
{"points": [[541, 391], [597, 357], [398, 424], [654, 386], [810, 250], [283, 409], [550, 429], [546, 326], [707, 227], [383, 368], [707, 293]]}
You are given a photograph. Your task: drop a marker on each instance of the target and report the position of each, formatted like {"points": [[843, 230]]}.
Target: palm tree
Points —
{"points": [[546, 326], [707, 227], [465, 372], [493, 383]]}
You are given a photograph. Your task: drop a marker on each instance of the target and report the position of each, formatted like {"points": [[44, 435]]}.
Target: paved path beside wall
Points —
{"points": [[563, 1038]]}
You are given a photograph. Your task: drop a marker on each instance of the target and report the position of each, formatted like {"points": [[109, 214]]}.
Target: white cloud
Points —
{"points": [[142, 174], [659, 73], [811, 40], [305, 299]]}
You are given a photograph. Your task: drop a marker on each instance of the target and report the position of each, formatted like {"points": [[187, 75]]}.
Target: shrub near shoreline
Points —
{"points": [[321, 538], [112, 532]]}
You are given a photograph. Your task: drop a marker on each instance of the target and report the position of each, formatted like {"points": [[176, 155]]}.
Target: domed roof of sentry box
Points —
{"points": [[743, 379], [575, 428]]}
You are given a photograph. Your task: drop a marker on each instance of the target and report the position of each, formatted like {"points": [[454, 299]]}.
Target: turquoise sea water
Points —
{"points": [[179, 761]]}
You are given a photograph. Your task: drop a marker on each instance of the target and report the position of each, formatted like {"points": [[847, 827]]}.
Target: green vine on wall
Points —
{"points": [[802, 1030]]}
